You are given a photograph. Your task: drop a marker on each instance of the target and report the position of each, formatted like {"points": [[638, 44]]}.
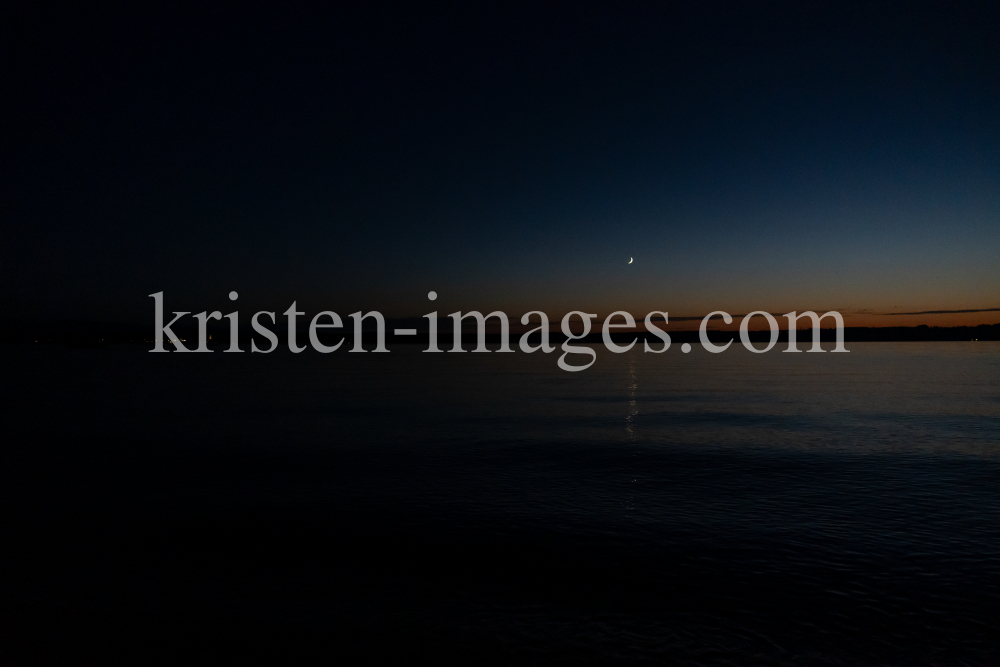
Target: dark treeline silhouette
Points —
{"points": [[99, 334]]}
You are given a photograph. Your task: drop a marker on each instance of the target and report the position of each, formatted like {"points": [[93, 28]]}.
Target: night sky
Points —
{"points": [[748, 156]]}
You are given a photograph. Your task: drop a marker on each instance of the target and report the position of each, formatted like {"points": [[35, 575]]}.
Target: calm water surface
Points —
{"points": [[689, 509]]}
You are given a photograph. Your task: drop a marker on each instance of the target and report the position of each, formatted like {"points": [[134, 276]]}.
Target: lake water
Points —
{"points": [[774, 509]]}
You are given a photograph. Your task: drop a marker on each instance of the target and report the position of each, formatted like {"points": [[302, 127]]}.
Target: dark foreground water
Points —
{"points": [[491, 509]]}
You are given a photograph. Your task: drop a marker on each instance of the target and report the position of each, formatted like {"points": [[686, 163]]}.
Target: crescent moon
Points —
{"points": [[629, 260]]}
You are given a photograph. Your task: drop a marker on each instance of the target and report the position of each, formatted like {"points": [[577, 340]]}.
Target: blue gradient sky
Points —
{"points": [[748, 156]]}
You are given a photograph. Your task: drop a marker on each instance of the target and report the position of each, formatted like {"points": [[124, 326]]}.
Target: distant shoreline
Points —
{"points": [[77, 334]]}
